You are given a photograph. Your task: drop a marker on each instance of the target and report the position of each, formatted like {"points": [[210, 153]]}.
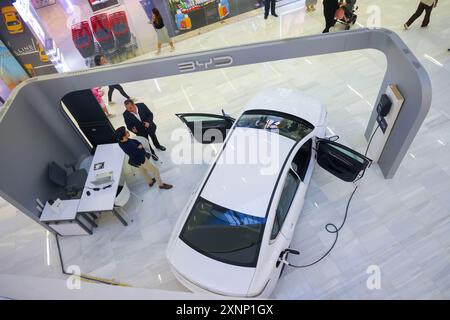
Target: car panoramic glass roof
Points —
{"points": [[223, 234], [284, 124]]}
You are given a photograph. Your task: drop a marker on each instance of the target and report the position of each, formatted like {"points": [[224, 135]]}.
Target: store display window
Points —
{"points": [[194, 14], [98, 5]]}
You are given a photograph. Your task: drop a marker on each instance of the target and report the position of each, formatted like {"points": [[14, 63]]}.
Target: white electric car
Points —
{"points": [[233, 237]]}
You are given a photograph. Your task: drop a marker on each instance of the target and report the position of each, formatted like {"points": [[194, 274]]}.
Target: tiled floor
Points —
{"points": [[400, 225]]}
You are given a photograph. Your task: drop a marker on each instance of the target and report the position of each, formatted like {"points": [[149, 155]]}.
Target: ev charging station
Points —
{"points": [[44, 134], [388, 108]]}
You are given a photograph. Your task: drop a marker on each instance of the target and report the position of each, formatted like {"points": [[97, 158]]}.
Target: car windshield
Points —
{"points": [[13, 23], [224, 234], [286, 125]]}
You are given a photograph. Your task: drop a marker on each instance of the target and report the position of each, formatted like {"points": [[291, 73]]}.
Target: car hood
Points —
{"points": [[201, 273]]}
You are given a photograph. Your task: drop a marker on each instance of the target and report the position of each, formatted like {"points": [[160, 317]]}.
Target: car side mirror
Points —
{"points": [[333, 138]]}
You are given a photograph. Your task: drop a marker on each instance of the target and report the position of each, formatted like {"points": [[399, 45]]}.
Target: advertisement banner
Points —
{"points": [[4, 93], [47, 47], [190, 15], [19, 39], [11, 73]]}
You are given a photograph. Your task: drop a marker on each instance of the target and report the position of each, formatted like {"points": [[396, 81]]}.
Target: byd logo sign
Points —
{"points": [[212, 63]]}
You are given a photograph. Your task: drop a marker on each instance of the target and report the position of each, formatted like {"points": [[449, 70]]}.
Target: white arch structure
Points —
{"points": [[33, 110]]}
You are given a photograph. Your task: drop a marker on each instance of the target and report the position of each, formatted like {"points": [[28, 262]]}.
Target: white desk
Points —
{"points": [[103, 200], [67, 222]]}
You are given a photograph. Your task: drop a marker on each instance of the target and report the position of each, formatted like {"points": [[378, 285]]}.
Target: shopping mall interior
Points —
{"points": [[399, 225]]}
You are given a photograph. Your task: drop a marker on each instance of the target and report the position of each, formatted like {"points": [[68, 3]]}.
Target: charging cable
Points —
{"points": [[329, 227], [371, 138]]}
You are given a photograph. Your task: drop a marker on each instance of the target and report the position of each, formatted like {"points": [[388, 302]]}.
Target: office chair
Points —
{"points": [[123, 196], [72, 182]]}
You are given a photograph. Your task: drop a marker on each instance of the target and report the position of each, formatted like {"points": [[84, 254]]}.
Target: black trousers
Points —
{"points": [[269, 5], [118, 87], [329, 11], [420, 9], [151, 132]]}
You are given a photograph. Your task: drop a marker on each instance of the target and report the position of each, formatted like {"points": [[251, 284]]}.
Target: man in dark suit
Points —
{"points": [[270, 5], [139, 119], [138, 158]]}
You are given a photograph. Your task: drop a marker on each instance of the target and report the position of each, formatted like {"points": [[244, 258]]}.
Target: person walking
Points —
{"points": [[329, 11], [139, 158], [100, 60], [161, 31], [424, 5], [269, 5]]}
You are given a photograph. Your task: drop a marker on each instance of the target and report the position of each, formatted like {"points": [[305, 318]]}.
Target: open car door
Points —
{"points": [[207, 128], [341, 161]]}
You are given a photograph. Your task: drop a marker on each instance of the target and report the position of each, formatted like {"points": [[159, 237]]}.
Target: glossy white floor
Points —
{"points": [[401, 225]]}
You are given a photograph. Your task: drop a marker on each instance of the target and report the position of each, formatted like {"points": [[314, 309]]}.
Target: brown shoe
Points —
{"points": [[166, 186], [152, 183]]}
